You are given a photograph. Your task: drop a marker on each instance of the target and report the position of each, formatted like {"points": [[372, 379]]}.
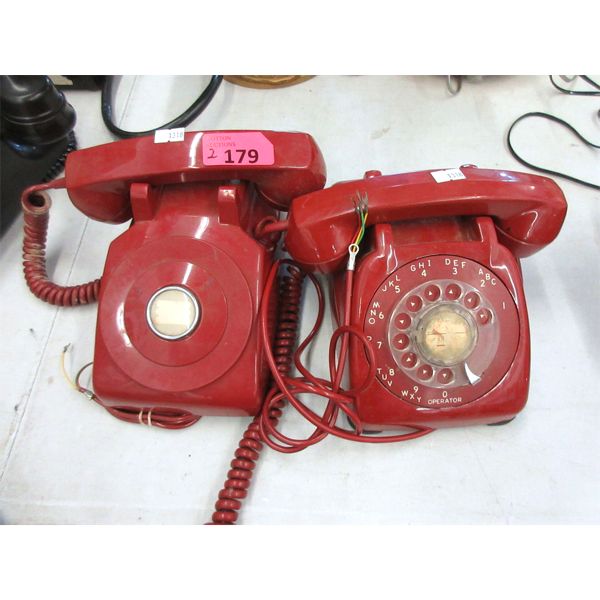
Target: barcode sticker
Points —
{"points": [[447, 175], [161, 136]]}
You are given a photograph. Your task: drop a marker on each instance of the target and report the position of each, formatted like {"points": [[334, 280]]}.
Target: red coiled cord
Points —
{"points": [[36, 206], [236, 486], [263, 428]]}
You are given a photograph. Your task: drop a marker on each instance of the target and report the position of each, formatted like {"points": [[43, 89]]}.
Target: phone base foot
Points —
{"points": [[501, 422]]}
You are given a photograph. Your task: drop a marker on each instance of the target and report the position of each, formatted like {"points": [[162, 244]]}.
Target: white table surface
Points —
{"points": [[64, 459]]}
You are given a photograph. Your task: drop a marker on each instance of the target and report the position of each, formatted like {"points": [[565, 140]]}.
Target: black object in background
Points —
{"points": [[78, 82], [36, 131], [183, 120], [543, 115]]}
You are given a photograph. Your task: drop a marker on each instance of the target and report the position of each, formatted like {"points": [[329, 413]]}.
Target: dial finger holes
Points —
{"points": [[484, 316], [409, 360], [453, 291], [414, 303], [472, 300], [402, 321], [425, 372], [401, 341], [432, 293], [445, 376]]}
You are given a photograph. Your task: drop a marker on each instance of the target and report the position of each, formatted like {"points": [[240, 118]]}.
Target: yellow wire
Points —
{"points": [[363, 225], [64, 370]]}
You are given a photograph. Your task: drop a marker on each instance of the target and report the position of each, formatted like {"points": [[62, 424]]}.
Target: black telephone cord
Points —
{"points": [[562, 122], [585, 78], [550, 117], [181, 121]]}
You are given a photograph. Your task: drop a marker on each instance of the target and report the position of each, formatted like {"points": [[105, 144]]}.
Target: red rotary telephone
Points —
{"points": [[439, 293], [430, 305]]}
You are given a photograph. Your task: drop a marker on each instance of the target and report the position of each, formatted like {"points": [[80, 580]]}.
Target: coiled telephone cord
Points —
{"points": [[235, 488], [263, 429], [36, 208]]}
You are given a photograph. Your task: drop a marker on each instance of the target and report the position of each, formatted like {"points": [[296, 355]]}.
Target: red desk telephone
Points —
{"points": [[430, 304]]}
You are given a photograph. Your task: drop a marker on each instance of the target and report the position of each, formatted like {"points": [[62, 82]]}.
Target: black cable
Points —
{"points": [[181, 121], [542, 169], [562, 122], [585, 78]]}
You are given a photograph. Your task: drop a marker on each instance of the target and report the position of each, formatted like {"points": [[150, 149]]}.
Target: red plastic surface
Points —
{"points": [[494, 348], [405, 256], [528, 210], [218, 368], [98, 179], [195, 223], [423, 235]]}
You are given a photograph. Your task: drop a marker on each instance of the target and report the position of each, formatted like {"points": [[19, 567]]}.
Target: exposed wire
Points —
{"points": [[85, 391], [159, 417], [362, 210], [64, 370], [74, 383]]}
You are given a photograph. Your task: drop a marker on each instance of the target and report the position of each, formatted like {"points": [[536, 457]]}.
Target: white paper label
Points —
{"points": [[162, 136], [447, 175]]}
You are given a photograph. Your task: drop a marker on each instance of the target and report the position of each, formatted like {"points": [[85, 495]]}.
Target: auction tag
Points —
{"points": [[447, 175], [162, 136], [237, 148]]}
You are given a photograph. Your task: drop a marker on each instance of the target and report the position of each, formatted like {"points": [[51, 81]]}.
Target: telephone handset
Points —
{"points": [[177, 333], [281, 165], [438, 292], [528, 210]]}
